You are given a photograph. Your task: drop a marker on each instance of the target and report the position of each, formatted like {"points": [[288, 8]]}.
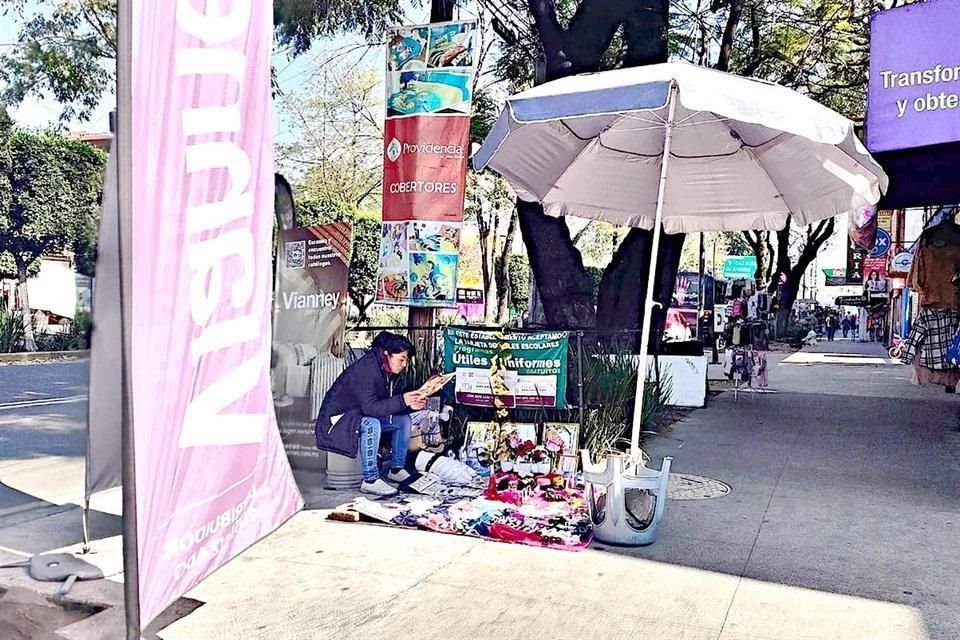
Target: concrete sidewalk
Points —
{"points": [[842, 523]]}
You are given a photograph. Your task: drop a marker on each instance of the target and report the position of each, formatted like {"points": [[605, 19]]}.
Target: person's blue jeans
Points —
{"points": [[370, 430]]}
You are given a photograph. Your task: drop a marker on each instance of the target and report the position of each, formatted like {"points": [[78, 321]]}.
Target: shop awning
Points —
{"points": [[924, 176]]}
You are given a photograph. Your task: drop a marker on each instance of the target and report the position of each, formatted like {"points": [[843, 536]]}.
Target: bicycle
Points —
{"points": [[896, 347]]}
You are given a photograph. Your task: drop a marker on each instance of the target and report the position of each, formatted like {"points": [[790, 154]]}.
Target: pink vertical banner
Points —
{"points": [[212, 477]]}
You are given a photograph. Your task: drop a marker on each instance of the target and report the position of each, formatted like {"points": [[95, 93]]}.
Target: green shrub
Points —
{"points": [[73, 337], [610, 386], [11, 331]]}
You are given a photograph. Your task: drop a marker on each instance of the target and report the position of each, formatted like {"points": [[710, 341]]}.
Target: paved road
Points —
{"points": [[42, 410], [42, 415]]}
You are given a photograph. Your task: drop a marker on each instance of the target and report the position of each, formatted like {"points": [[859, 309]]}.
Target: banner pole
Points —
{"points": [[131, 578]]}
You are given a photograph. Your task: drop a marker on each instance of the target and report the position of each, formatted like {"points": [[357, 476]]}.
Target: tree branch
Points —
{"points": [[544, 14], [729, 33], [579, 235], [756, 54]]}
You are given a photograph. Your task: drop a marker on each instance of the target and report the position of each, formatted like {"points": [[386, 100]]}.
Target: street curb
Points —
{"points": [[43, 356]]}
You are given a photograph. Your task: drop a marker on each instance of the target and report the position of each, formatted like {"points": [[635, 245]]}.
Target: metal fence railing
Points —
{"points": [[601, 369]]}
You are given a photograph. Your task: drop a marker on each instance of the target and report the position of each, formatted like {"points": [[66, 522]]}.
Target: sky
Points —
{"points": [[292, 75]]}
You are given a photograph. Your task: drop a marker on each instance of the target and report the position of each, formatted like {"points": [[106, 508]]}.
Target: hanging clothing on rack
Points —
{"points": [[946, 378], [930, 338], [935, 264]]}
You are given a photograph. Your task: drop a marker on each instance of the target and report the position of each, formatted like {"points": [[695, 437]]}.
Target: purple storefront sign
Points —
{"points": [[914, 88]]}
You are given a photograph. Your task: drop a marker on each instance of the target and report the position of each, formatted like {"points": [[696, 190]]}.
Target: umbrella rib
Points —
{"points": [[749, 149]]}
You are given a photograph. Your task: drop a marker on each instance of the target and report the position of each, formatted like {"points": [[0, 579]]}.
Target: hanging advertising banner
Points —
{"points": [[855, 257], [536, 367], [862, 229], [875, 274], [913, 92], [429, 80], [424, 168], [210, 473], [310, 318], [835, 277]]}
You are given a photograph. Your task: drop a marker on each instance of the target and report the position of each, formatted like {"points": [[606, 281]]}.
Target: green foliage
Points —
{"points": [[61, 54], [299, 22], [597, 274], [73, 337], [610, 390], [485, 112], [819, 47], [336, 154], [55, 185], [519, 274], [597, 241], [66, 52], [11, 331], [735, 244], [364, 262], [8, 269]]}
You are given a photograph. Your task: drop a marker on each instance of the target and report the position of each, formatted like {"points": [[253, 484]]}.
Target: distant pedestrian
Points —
{"points": [[831, 325], [845, 326]]}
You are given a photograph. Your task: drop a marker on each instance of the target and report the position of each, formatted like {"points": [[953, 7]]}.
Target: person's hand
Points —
{"points": [[415, 400]]}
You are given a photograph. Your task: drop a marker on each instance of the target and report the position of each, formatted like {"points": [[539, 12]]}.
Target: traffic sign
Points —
{"points": [[740, 267], [882, 246], [902, 262]]}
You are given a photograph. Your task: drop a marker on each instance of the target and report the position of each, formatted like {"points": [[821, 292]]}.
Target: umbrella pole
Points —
{"points": [[650, 303]]}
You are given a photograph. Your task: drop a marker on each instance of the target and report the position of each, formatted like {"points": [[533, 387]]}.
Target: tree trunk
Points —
{"points": [[565, 287], [535, 314], [442, 10], [489, 286], [623, 288], [29, 340], [729, 33], [788, 295], [645, 35], [816, 238], [502, 271]]}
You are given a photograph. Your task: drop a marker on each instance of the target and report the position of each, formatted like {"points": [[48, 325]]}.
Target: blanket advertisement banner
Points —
{"points": [[536, 367], [211, 475], [310, 318], [913, 92], [426, 142]]}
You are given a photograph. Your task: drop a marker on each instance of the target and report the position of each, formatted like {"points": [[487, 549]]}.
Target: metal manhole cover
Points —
{"points": [[683, 486]]}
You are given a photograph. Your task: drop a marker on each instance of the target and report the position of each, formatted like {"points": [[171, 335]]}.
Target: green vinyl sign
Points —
{"points": [[534, 372]]}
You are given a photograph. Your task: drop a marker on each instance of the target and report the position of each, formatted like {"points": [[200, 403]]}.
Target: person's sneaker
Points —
{"points": [[400, 475], [378, 488]]}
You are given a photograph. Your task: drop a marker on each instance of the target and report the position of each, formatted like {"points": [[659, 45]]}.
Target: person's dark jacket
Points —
{"points": [[363, 389]]}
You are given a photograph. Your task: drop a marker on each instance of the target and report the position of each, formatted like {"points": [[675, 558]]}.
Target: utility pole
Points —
{"points": [[425, 340], [702, 332]]}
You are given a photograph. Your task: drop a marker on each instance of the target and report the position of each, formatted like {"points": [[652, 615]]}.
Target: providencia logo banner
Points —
{"points": [[310, 318], [429, 86], [211, 474]]}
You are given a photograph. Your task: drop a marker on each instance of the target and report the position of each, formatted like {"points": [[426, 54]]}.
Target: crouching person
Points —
{"points": [[365, 402]]}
